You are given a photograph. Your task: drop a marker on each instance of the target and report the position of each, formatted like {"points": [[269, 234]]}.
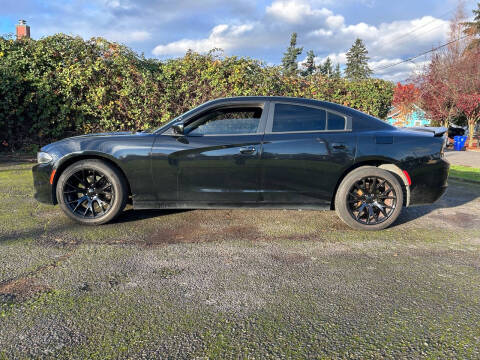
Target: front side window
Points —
{"points": [[298, 118], [230, 121]]}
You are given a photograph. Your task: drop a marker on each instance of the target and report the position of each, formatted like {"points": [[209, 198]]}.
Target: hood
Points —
{"points": [[76, 142]]}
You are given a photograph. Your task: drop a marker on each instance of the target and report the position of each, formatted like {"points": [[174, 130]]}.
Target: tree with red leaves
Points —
{"points": [[437, 91], [450, 84], [404, 99], [467, 84]]}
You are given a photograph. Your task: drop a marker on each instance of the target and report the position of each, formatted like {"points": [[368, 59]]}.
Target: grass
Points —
{"points": [[465, 173], [235, 283]]}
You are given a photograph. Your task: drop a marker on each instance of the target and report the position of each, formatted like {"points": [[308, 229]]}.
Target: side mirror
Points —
{"points": [[178, 128]]}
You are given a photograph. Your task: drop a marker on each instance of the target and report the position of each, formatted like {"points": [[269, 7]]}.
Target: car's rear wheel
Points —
{"points": [[369, 198], [92, 192]]}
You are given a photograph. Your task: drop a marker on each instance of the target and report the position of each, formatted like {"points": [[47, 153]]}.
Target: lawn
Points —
{"points": [[465, 172], [237, 283]]}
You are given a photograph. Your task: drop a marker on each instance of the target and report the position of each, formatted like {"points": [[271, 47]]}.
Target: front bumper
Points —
{"points": [[429, 182], [41, 183]]}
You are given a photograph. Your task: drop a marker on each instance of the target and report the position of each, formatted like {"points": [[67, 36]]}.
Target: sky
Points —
{"points": [[393, 30]]}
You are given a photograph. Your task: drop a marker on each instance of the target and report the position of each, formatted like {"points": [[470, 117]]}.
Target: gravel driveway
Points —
{"points": [[237, 283], [464, 158]]}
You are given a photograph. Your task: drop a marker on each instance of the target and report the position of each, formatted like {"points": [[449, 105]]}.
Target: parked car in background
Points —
{"points": [[272, 152]]}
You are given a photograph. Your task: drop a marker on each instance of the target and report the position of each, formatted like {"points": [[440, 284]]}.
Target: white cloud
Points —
{"points": [[294, 11], [221, 36], [340, 58], [323, 31]]}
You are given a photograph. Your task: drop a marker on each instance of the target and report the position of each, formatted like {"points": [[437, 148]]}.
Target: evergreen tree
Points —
{"points": [[357, 62], [472, 28], [337, 73], [309, 64], [289, 61], [327, 68]]}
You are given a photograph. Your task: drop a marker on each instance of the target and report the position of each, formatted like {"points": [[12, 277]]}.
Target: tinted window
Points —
{"points": [[335, 122], [298, 118], [226, 121]]}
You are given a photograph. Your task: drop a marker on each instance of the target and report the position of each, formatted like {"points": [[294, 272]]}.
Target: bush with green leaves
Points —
{"points": [[61, 85]]}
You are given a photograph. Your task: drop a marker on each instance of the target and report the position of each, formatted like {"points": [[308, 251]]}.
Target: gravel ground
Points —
{"points": [[237, 283]]}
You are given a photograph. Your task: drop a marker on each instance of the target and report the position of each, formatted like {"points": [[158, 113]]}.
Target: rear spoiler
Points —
{"points": [[437, 131]]}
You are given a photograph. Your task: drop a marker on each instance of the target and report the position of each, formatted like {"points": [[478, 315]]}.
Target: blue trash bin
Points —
{"points": [[459, 142]]}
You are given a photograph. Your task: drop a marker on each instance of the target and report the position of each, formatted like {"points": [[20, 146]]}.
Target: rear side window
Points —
{"points": [[336, 122], [298, 118]]}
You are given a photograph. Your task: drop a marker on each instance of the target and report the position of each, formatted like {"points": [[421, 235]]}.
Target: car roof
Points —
{"points": [[287, 99]]}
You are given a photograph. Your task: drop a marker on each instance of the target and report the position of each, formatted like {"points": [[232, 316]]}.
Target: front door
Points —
{"points": [[216, 160]]}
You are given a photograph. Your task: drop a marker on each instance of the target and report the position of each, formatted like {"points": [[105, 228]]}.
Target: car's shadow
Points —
{"points": [[458, 194], [130, 215]]}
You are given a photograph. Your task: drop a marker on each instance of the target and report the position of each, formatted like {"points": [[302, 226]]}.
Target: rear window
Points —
{"points": [[298, 118]]}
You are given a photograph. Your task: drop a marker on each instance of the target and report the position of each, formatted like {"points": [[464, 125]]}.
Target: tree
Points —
{"points": [[357, 62], [327, 68], [337, 73], [404, 99], [467, 83], [437, 83], [472, 28], [309, 64], [289, 61], [437, 89]]}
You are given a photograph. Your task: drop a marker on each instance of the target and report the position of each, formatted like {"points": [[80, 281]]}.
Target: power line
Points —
{"points": [[417, 56]]}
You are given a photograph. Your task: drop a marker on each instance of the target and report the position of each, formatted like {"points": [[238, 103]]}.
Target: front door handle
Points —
{"points": [[339, 146], [248, 150]]}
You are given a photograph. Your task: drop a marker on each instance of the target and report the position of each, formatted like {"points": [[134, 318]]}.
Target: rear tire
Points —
{"points": [[369, 198], [92, 192]]}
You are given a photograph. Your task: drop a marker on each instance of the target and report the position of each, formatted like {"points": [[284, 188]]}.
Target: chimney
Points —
{"points": [[23, 30]]}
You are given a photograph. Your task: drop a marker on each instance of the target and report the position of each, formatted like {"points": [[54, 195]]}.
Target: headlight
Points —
{"points": [[43, 157]]}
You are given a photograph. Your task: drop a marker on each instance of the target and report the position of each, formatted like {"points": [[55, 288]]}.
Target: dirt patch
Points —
{"points": [[21, 289], [181, 234], [290, 258], [27, 286], [196, 234], [242, 232]]}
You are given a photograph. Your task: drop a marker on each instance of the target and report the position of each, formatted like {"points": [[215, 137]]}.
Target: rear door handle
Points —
{"points": [[248, 150], [339, 146]]}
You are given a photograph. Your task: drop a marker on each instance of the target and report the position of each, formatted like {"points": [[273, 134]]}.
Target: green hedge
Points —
{"points": [[61, 85]]}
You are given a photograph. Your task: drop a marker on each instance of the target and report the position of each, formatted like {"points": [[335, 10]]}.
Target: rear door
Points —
{"points": [[305, 151]]}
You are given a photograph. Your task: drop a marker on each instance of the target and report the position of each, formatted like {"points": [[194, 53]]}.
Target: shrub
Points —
{"points": [[60, 86]]}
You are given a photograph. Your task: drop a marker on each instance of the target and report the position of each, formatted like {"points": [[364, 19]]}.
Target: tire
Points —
{"points": [[369, 198], [92, 192]]}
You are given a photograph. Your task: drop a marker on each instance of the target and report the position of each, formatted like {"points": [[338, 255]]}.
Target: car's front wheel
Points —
{"points": [[92, 192], [369, 198]]}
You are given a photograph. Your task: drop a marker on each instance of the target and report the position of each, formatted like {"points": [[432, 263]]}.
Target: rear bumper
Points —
{"points": [[43, 191], [429, 182]]}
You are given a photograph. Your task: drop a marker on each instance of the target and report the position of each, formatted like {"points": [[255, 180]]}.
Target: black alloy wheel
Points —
{"points": [[372, 200], [369, 198], [88, 193], [92, 192]]}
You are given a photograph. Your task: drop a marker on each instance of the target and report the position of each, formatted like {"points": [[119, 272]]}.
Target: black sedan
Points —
{"points": [[270, 152]]}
